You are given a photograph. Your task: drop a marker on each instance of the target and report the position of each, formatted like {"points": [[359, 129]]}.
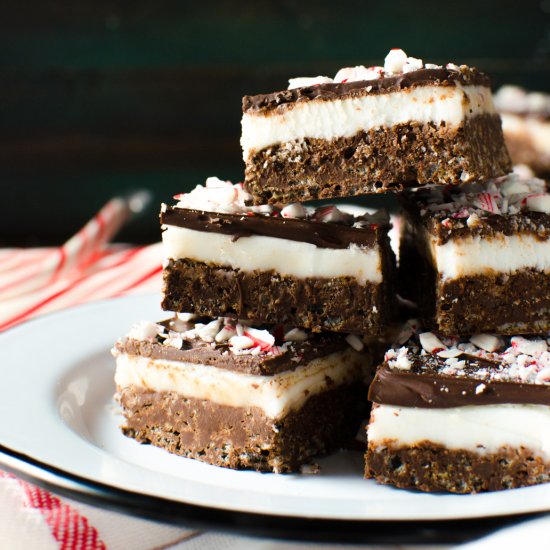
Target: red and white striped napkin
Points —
{"points": [[41, 280]]}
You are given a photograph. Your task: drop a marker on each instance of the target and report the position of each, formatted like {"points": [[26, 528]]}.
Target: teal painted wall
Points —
{"points": [[101, 97]]}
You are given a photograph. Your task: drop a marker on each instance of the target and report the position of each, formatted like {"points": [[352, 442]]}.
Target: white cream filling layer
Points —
{"points": [[346, 117], [481, 255], [482, 429], [533, 131], [276, 395], [290, 258]]}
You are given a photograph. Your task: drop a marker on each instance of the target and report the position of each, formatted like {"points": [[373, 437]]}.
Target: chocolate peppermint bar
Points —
{"points": [[476, 258], [526, 126], [229, 394], [461, 415], [317, 268], [372, 130]]}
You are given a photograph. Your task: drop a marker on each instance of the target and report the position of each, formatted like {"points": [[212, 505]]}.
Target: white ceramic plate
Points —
{"points": [[60, 426]]}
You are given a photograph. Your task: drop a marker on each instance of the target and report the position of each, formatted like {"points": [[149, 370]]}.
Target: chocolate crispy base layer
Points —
{"points": [[378, 161], [337, 304], [245, 438], [515, 303], [431, 468]]}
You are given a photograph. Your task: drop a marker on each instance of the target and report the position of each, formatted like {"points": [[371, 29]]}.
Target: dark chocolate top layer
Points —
{"points": [[388, 84], [427, 370], [320, 234], [287, 357], [478, 210], [430, 389]]}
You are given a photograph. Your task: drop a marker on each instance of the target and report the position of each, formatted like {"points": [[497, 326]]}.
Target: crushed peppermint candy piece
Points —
{"points": [[241, 342], [398, 359], [186, 317], [295, 335], [529, 347], [487, 202], [173, 342], [355, 74], [145, 330], [208, 332], [488, 342], [332, 214], [430, 342], [226, 333], [355, 342], [294, 210], [538, 203], [412, 64], [304, 81], [395, 61], [262, 338]]}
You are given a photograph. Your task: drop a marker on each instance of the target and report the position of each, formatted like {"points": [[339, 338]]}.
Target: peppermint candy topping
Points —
{"points": [[396, 62], [517, 359], [507, 195]]}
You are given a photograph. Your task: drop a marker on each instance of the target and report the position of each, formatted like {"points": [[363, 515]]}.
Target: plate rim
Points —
{"points": [[188, 515], [59, 481]]}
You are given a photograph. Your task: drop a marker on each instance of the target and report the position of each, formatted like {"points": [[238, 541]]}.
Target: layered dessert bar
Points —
{"points": [[370, 130], [232, 395], [461, 415], [318, 268], [526, 125], [476, 258]]}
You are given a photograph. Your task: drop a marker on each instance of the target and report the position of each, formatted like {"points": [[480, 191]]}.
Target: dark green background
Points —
{"points": [[97, 98]]}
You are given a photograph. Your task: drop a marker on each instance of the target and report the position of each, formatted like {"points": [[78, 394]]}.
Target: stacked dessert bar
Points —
{"points": [[274, 303], [463, 404], [526, 125]]}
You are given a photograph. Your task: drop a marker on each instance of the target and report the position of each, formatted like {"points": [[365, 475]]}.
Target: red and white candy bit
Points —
{"points": [[355, 342], [488, 342], [538, 203], [262, 338], [449, 353], [209, 331], [227, 332], [358, 73], [215, 196], [331, 214], [145, 330], [514, 186], [239, 343], [431, 343], [398, 359], [294, 210], [173, 341], [529, 347], [462, 213], [395, 61], [407, 330], [485, 201], [304, 81], [412, 64]]}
